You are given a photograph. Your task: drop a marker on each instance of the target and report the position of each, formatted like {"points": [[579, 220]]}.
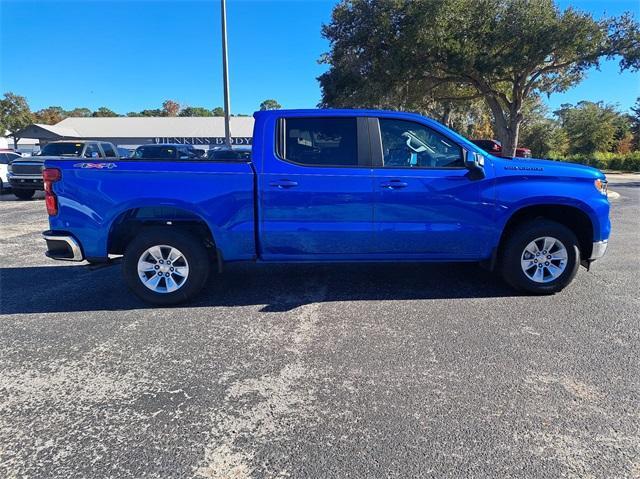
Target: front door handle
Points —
{"points": [[394, 184], [283, 184]]}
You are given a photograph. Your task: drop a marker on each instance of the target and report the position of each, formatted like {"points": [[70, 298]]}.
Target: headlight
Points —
{"points": [[601, 186], [9, 168]]}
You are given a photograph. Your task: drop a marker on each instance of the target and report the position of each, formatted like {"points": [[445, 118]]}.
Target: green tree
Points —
{"points": [[14, 115], [79, 113], [195, 111], [635, 124], [218, 111], [170, 108], [270, 105], [103, 111], [540, 132], [590, 126], [623, 137], [154, 112], [503, 51], [50, 115], [545, 138]]}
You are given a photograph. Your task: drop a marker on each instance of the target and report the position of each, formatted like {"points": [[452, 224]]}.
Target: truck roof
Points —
{"points": [[337, 112]]}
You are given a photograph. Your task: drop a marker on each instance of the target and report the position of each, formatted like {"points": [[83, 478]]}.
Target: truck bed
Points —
{"points": [[95, 195]]}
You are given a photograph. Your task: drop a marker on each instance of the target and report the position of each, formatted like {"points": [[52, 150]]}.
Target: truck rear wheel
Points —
{"points": [[164, 266], [24, 194], [540, 257]]}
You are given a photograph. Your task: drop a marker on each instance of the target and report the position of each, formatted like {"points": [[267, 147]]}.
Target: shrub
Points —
{"points": [[632, 162], [603, 161]]}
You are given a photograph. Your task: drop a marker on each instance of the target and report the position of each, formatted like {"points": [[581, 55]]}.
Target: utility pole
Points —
{"points": [[225, 74]]}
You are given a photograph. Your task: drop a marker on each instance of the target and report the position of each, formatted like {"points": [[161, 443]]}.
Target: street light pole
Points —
{"points": [[225, 74]]}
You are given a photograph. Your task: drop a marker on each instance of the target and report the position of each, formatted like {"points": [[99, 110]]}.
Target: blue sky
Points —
{"points": [[132, 55]]}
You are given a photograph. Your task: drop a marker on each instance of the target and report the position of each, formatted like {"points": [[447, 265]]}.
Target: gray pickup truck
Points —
{"points": [[25, 174]]}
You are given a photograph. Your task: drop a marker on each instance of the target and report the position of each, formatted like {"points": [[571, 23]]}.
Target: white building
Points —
{"points": [[129, 132]]}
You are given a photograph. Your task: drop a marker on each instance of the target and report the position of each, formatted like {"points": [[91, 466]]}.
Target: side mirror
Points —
{"points": [[474, 163]]}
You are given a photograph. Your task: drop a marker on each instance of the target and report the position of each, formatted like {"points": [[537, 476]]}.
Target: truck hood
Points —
{"points": [[552, 167], [42, 159], [38, 159]]}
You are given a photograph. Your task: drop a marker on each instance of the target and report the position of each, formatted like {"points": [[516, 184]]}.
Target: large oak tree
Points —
{"points": [[402, 54]]}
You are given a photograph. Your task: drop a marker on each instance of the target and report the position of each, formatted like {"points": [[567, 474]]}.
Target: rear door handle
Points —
{"points": [[394, 184], [284, 184]]}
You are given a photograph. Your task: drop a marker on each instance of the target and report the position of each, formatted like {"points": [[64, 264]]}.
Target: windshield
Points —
{"points": [[62, 149]]}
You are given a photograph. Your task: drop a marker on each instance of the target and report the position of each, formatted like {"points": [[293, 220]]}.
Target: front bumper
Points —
{"points": [[62, 246], [598, 249], [26, 182]]}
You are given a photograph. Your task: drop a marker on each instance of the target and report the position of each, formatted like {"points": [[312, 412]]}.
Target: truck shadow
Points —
{"points": [[276, 288]]}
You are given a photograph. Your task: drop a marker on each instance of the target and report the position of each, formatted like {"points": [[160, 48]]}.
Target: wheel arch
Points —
{"points": [[571, 216], [130, 222]]}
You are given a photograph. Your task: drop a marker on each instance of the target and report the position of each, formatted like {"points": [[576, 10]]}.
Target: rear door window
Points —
{"points": [[325, 142]]}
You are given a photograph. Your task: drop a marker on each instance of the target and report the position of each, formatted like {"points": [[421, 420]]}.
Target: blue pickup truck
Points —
{"points": [[329, 185]]}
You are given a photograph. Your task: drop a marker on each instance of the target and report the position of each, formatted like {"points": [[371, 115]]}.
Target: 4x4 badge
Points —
{"points": [[97, 166]]}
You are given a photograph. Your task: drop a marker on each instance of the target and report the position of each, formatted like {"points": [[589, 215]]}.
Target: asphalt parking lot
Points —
{"points": [[319, 371]]}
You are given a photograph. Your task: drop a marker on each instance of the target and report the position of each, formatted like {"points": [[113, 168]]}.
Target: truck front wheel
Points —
{"points": [[540, 257], [164, 266]]}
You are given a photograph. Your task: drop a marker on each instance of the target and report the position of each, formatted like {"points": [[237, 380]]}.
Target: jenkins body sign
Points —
{"points": [[214, 141]]}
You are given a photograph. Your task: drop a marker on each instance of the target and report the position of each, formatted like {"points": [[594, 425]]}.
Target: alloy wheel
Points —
{"points": [[163, 269], [544, 259]]}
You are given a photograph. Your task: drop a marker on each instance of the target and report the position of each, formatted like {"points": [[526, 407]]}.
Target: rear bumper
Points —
{"points": [[598, 249], [62, 246]]}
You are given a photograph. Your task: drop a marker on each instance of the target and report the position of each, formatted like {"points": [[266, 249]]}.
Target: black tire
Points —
{"points": [[24, 194], [194, 251], [520, 237]]}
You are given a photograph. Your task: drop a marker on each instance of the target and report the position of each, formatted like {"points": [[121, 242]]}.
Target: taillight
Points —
{"points": [[50, 176]]}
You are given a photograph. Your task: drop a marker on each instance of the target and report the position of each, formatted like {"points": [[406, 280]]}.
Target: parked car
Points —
{"points": [[330, 185], [125, 152], [6, 157], [25, 174], [168, 151], [238, 153], [494, 147]]}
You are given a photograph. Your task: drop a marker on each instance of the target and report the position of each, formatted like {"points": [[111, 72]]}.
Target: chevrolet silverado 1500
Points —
{"points": [[329, 185]]}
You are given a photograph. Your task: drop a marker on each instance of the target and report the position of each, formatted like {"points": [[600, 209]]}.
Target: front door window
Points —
{"points": [[407, 144]]}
